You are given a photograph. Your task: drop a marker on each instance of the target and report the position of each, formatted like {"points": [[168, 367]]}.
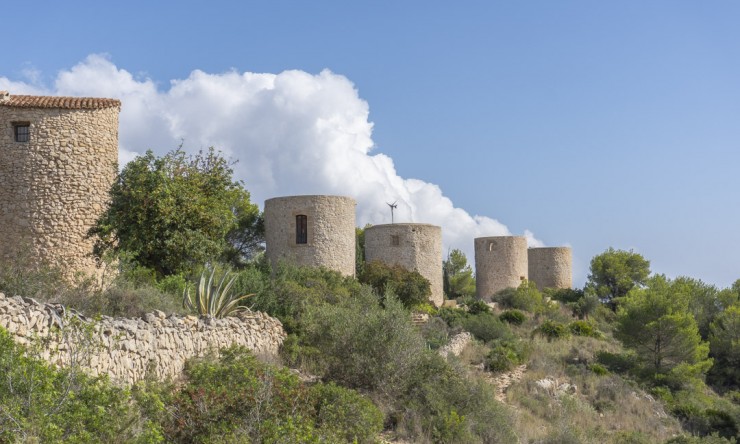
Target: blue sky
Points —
{"points": [[592, 124]]}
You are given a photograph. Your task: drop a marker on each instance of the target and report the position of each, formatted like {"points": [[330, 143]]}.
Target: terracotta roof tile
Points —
{"points": [[58, 102]]}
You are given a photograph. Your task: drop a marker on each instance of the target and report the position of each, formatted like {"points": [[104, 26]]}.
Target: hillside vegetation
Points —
{"points": [[632, 357]]}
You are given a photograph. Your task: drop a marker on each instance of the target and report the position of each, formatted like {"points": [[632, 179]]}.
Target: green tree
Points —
{"points": [[360, 249], [655, 321], [615, 272], [724, 340], [175, 212], [705, 301], [458, 276], [411, 287]]}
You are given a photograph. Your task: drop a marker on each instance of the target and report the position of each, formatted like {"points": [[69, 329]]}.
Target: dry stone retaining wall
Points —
{"points": [[130, 349], [416, 247], [331, 231], [54, 186]]}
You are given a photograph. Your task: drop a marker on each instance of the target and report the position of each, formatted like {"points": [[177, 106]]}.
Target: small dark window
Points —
{"points": [[301, 229], [21, 131], [395, 240]]}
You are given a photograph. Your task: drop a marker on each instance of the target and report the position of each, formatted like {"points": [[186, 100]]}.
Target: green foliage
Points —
{"points": [[710, 439], [435, 332], [724, 342], [526, 298], [655, 322], [458, 276], [702, 414], [343, 415], [442, 405], [362, 344], [564, 295], [474, 306], [360, 249], [486, 327], [617, 362], [553, 330], [505, 355], [410, 287], [705, 302], [454, 317], [585, 306], [293, 290], [515, 317], [584, 328], [236, 398], [40, 403], [614, 273], [598, 369], [213, 299], [175, 212]]}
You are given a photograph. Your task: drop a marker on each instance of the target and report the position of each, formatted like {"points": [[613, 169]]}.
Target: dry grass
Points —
{"points": [[604, 408]]}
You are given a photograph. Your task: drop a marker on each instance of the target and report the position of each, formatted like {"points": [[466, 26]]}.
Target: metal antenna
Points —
{"points": [[393, 206]]}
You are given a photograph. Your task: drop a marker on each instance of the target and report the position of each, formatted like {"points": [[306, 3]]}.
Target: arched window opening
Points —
{"points": [[301, 229]]}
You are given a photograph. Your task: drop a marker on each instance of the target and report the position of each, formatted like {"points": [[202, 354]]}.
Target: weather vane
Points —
{"points": [[393, 206]]}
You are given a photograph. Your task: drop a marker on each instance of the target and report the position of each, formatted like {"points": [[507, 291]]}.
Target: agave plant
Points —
{"points": [[216, 301]]}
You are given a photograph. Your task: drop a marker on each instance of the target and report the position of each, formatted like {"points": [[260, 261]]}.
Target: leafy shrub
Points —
{"points": [[616, 362], [424, 307], [362, 344], [553, 330], [435, 333], [239, 399], [564, 295], [486, 327], [443, 405], [598, 369], [702, 414], [454, 317], [710, 439], [43, 404], [526, 298], [474, 306], [583, 328], [505, 355], [293, 289], [410, 287], [586, 306], [515, 317], [345, 415]]}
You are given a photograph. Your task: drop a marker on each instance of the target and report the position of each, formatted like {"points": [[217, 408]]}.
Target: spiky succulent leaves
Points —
{"points": [[217, 302]]}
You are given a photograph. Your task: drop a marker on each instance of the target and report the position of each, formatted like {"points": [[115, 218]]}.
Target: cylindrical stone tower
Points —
{"points": [[58, 158], [551, 267], [500, 262], [315, 231], [416, 247]]}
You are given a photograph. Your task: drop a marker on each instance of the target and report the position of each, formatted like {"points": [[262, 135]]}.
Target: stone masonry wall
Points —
{"points": [[551, 267], [127, 349], [331, 231], [54, 187], [416, 247], [500, 262]]}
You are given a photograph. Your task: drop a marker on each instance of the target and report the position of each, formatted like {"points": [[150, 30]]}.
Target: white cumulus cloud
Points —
{"points": [[292, 133]]}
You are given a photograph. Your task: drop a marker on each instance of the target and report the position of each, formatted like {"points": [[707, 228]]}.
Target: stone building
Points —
{"points": [[311, 231], [58, 158], [500, 262], [416, 247], [551, 267]]}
